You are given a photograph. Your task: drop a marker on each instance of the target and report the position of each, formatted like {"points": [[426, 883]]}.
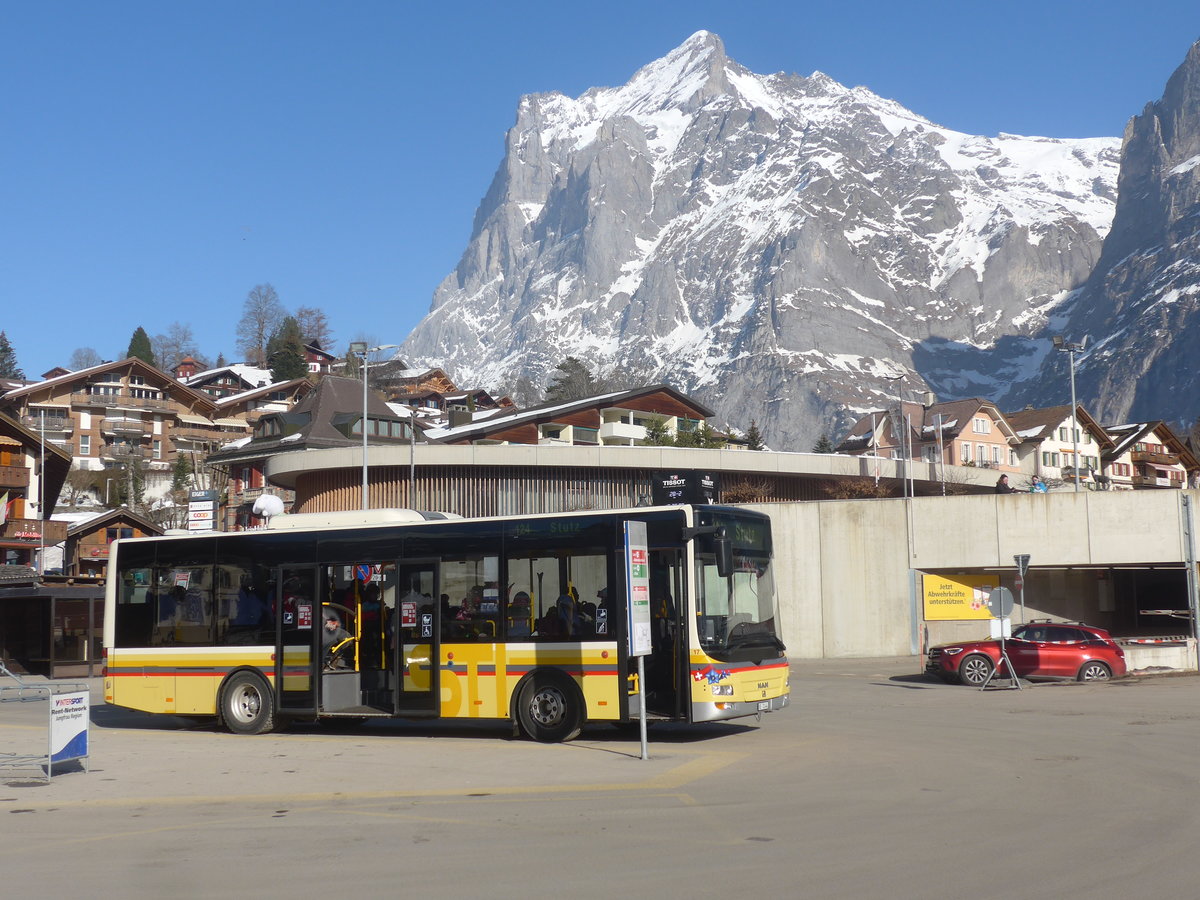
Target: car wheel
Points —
{"points": [[975, 670], [1094, 671]]}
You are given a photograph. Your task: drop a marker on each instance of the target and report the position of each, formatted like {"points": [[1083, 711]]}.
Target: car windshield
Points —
{"points": [[736, 616]]}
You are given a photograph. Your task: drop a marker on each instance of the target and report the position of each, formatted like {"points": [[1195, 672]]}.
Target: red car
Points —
{"points": [[1040, 649]]}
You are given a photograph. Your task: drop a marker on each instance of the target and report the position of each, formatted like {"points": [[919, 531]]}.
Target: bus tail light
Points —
{"points": [[104, 663]]}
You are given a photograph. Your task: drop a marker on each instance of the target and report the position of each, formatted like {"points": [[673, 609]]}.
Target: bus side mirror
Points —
{"points": [[723, 547]]}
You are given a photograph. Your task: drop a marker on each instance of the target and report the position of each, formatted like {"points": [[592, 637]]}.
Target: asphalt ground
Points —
{"points": [[875, 782]]}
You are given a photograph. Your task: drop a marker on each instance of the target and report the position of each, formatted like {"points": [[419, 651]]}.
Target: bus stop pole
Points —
{"points": [[641, 664]]}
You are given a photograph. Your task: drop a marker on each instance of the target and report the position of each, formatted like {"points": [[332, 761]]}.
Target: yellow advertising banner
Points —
{"points": [[950, 597]]}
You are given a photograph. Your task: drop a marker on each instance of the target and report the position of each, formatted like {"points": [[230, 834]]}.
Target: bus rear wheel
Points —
{"points": [[549, 708], [247, 706]]}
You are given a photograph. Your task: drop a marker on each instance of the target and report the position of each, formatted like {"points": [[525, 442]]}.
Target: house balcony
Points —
{"points": [[121, 400], [194, 433], [53, 424], [1154, 458], [14, 477], [123, 426], [122, 452], [622, 431], [34, 530], [249, 495], [125, 401], [1154, 481]]}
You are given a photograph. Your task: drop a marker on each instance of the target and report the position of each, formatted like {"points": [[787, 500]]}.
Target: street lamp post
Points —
{"points": [[363, 352], [901, 431], [1071, 349]]}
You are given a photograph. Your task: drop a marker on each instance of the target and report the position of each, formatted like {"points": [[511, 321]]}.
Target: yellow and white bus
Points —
{"points": [[399, 613]]}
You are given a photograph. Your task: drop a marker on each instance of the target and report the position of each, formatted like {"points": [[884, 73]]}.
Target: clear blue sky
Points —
{"points": [[160, 159]]}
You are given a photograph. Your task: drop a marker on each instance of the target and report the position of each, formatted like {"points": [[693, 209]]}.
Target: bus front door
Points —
{"points": [[298, 639], [418, 645]]}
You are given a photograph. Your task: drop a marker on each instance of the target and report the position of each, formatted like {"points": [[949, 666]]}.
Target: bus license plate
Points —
{"points": [[764, 705]]}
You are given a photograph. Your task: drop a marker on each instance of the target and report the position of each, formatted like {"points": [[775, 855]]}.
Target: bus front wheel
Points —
{"points": [[247, 706], [549, 708]]}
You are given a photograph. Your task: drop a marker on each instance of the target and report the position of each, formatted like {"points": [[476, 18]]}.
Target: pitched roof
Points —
{"points": [[506, 417], [1037, 425], [1125, 436], [315, 421], [160, 380]]}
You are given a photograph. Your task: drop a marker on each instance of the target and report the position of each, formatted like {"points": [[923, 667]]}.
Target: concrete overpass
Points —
{"points": [[850, 573]]}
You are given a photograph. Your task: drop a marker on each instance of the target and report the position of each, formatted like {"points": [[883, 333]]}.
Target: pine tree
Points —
{"points": [[754, 439], [657, 435], [823, 444], [571, 380], [8, 360], [181, 474], [285, 352], [139, 346]]}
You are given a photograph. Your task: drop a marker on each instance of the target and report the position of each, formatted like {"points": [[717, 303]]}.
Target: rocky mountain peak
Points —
{"points": [[776, 245], [1141, 304]]}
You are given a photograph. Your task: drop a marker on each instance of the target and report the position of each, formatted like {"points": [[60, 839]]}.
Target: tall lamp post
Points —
{"points": [[1067, 347], [901, 430], [363, 352]]}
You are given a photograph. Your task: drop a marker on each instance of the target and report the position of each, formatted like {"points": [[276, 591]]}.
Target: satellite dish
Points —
{"points": [[267, 505]]}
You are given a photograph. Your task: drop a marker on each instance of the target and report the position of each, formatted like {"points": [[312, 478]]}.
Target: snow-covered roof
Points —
{"points": [[250, 374]]}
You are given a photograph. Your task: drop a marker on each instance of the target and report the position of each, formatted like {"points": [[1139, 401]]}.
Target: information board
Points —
{"points": [[958, 597], [637, 583], [69, 726]]}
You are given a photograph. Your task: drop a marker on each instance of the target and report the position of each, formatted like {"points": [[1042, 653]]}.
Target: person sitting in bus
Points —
{"points": [[336, 642], [252, 610], [551, 624], [518, 615], [569, 613]]}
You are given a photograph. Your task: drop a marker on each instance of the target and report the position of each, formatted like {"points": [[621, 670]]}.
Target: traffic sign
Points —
{"points": [[1019, 583], [1022, 561], [1000, 602]]}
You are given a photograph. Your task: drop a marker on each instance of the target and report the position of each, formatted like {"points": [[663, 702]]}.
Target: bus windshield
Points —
{"points": [[736, 616]]}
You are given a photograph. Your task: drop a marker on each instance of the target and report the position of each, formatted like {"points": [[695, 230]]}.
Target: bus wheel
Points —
{"points": [[247, 706], [549, 708]]}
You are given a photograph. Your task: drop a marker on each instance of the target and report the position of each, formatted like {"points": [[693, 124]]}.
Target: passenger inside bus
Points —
{"points": [[336, 643]]}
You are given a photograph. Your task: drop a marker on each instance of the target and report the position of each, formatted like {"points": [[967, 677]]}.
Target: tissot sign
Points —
{"points": [[685, 486]]}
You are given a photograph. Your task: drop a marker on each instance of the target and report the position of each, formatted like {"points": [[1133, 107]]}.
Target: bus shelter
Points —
{"points": [[51, 625]]}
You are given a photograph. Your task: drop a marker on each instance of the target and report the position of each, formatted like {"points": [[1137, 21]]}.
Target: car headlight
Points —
{"points": [[952, 651], [722, 690]]}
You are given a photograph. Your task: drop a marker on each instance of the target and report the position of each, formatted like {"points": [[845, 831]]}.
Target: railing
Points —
{"points": [[122, 452], [56, 424], [249, 495], [14, 477], [34, 531], [1154, 457], [121, 400], [622, 431], [117, 426], [1154, 481], [197, 433]]}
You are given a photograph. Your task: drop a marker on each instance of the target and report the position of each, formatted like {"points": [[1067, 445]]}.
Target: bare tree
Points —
{"points": [[261, 314], [170, 348], [314, 327], [84, 358]]}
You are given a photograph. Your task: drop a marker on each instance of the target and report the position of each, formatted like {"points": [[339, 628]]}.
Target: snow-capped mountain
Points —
{"points": [[1141, 305], [778, 246]]}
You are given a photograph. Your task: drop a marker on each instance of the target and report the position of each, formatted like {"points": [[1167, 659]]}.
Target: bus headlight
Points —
{"points": [[722, 690]]}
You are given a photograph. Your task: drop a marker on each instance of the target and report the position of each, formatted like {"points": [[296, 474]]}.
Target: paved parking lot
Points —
{"points": [[875, 783]]}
